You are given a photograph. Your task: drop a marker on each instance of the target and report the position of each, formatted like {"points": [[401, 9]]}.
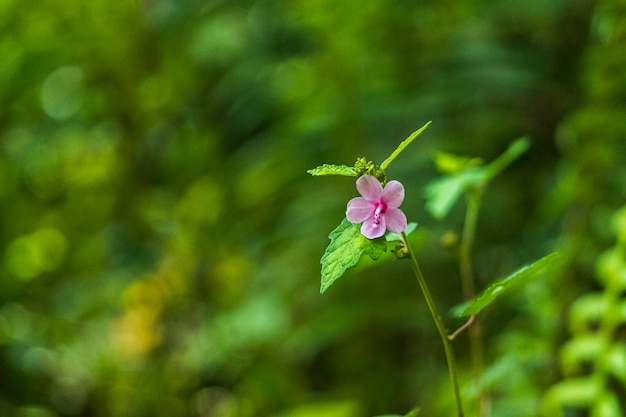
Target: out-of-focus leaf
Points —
{"points": [[579, 392], [514, 151], [442, 193], [451, 164], [617, 361], [611, 268], [324, 409], [403, 145], [499, 287], [607, 406], [586, 310], [413, 413], [347, 244], [579, 351], [331, 169]]}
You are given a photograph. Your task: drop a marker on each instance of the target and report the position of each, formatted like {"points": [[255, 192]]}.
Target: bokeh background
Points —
{"points": [[160, 238]]}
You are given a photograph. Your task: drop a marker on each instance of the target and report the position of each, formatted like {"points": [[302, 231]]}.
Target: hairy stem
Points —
{"points": [[447, 345]]}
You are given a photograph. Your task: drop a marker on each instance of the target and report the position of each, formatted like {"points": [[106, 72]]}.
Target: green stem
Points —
{"points": [[469, 230], [447, 345], [467, 282]]}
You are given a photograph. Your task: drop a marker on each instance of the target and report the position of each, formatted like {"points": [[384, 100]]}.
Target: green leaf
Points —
{"points": [[587, 311], [452, 164], [413, 413], [514, 151], [442, 193], [347, 244], [607, 406], [616, 361], [403, 145], [580, 350], [579, 392], [330, 169], [499, 287], [392, 237], [375, 248]]}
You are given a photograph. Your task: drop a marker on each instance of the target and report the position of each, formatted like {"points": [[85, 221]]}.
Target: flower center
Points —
{"points": [[380, 210]]}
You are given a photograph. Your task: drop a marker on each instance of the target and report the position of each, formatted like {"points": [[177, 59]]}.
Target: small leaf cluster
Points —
{"points": [[593, 361]]}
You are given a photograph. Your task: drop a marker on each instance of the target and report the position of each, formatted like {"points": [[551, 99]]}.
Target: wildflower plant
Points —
{"points": [[374, 221]]}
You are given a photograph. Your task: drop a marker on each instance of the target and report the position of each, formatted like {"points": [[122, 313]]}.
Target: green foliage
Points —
{"points": [[501, 286], [347, 244], [346, 247], [362, 166], [161, 245], [442, 193], [324, 409], [453, 164], [595, 320], [392, 237], [403, 145], [330, 169]]}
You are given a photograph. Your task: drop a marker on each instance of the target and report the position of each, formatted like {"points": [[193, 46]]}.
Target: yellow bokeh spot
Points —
{"points": [[136, 332]]}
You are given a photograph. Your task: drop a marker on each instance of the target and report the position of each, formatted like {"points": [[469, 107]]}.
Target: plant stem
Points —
{"points": [[469, 230], [467, 281], [447, 345]]}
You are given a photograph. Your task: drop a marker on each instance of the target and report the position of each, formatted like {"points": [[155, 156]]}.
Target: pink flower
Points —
{"points": [[378, 207]]}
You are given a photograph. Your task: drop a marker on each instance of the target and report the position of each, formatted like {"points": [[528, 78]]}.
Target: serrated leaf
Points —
{"points": [[403, 145], [346, 247], [501, 286], [331, 169], [375, 248]]}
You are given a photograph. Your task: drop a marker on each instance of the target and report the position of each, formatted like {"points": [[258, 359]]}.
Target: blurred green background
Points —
{"points": [[160, 238]]}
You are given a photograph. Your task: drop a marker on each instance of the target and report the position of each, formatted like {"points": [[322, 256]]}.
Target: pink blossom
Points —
{"points": [[378, 207]]}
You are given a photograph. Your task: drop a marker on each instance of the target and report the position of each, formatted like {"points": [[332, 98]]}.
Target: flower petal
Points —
{"points": [[393, 193], [359, 209], [396, 220], [373, 230], [369, 187]]}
